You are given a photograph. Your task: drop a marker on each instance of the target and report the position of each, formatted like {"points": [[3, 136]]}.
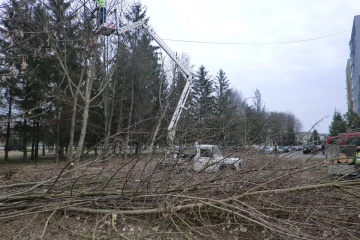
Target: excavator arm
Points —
{"points": [[184, 71]]}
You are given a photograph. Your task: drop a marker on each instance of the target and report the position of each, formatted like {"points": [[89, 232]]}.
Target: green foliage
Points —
{"points": [[257, 118], [338, 124], [225, 109], [315, 137], [223, 94], [289, 135], [202, 103], [352, 120], [203, 99]]}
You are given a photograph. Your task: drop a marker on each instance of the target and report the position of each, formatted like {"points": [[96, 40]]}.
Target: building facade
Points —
{"points": [[354, 47], [349, 97]]}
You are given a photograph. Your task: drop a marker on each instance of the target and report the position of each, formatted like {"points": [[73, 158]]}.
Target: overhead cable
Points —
{"points": [[256, 43]]}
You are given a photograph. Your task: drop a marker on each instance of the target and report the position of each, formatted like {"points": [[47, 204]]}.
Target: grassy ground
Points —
{"points": [[17, 157]]}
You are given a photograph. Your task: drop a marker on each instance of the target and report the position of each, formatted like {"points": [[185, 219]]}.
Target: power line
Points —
{"points": [[256, 43]]}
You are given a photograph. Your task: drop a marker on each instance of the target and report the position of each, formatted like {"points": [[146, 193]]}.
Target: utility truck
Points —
{"points": [[209, 158], [206, 157], [202, 158]]}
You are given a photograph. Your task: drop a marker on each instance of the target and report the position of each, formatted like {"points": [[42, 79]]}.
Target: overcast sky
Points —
{"points": [[306, 78]]}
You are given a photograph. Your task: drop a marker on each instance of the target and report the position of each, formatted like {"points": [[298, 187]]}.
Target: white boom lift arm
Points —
{"points": [[184, 71]]}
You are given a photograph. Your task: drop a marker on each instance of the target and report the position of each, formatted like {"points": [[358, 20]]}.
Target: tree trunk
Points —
{"points": [[37, 141], [33, 139], [109, 104], [108, 113], [107, 120], [8, 130], [128, 127], [108, 116], [25, 141], [72, 128], [87, 101], [158, 123], [73, 119], [43, 149], [118, 138], [57, 148]]}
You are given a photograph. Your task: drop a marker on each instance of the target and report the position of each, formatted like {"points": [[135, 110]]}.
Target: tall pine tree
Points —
{"points": [[225, 120], [202, 102], [352, 120], [338, 124]]}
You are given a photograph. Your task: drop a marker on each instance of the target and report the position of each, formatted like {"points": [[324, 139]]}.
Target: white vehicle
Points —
{"points": [[214, 161], [209, 158]]}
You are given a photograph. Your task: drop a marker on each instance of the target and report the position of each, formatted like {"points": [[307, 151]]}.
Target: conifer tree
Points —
{"points": [[19, 84], [338, 124], [141, 80], [202, 102], [352, 120], [203, 99], [225, 115]]}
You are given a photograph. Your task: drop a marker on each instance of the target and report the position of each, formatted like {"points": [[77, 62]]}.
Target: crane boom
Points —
{"points": [[184, 71]]}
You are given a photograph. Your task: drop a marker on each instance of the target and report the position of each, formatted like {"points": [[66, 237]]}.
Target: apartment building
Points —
{"points": [[353, 67], [349, 97]]}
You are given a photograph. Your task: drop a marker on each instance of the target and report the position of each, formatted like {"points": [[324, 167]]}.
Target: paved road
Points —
{"points": [[300, 155]]}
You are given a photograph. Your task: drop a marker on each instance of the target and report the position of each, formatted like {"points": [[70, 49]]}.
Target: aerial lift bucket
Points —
{"points": [[106, 29]]}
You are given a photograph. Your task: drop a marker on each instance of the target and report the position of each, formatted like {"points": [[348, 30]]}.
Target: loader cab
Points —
{"points": [[206, 157], [206, 153]]}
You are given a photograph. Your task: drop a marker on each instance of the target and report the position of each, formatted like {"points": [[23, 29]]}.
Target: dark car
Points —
{"points": [[290, 148], [308, 148], [283, 149]]}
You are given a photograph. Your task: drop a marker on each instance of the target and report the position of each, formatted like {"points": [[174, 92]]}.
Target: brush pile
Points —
{"points": [[112, 198]]}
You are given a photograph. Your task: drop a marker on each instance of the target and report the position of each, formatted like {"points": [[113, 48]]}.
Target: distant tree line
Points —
{"points": [[64, 86]]}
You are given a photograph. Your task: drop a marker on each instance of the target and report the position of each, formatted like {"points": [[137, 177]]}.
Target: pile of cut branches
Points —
{"points": [[271, 197]]}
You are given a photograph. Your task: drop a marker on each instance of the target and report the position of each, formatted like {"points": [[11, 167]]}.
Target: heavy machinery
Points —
{"points": [[340, 153], [206, 157], [209, 158]]}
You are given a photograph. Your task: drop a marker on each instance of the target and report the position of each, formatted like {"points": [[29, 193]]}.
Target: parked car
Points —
{"points": [[267, 149], [290, 148], [297, 148], [283, 149], [309, 148]]}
